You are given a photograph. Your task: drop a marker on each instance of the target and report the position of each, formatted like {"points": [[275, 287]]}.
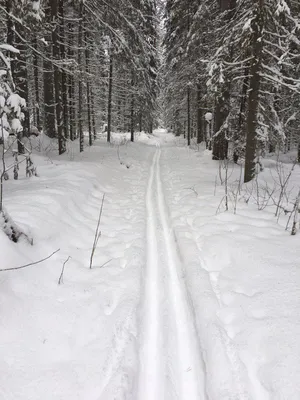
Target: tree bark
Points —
{"points": [[93, 114], [80, 91], [257, 25], [71, 84], [220, 143], [241, 122], [109, 98], [49, 102], [132, 105], [141, 121], [20, 78], [188, 116], [10, 30], [88, 87], [36, 87], [199, 116], [57, 75], [64, 80]]}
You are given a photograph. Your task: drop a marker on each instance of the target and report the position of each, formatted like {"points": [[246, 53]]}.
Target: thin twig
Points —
{"points": [[61, 278], [219, 207], [296, 218], [33, 263], [97, 232], [103, 265], [193, 190]]}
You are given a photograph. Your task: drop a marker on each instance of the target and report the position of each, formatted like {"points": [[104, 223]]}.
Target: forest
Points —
{"points": [[149, 199], [76, 66], [224, 72], [240, 61]]}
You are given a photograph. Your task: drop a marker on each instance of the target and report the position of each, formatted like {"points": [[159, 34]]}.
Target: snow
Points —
{"points": [[15, 102], [2, 101], [185, 301], [70, 341], [247, 25], [5, 124], [282, 7], [16, 125], [163, 372], [208, 117], [151, 363], [243, 277], [8, 47], [36, 5]]}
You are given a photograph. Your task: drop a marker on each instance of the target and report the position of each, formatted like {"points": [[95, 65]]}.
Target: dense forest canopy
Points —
{"points": [[221, 71], [80, 65], [238, 60]]}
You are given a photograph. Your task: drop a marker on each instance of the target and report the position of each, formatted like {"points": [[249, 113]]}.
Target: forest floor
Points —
{"points": [[184, 301]]}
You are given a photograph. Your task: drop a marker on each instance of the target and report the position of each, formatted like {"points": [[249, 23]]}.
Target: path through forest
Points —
{"points": [[171, 365], [182, 303]]}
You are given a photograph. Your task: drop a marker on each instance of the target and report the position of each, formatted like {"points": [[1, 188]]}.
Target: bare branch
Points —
{"points": [[30, 264], [61, 278], [97, 232]]}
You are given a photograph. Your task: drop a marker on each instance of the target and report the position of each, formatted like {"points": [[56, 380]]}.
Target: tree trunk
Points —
{"points": [[189, 116], [220, 143], [80, 91], [151, 126], [132, 110], [49, 102], [257, 25], [10, 30], [141, 121], [124, 113], [57, 76], [241, 123], [18, 70], [199, 116], [93, 114], [88, 95], [20, 78], [36, 87], [64, 86], [109, 99], [88, 87], [71, 84]]}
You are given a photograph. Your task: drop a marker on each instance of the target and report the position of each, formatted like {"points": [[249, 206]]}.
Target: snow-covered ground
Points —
{"points": [[184, 301], [243, 277]]}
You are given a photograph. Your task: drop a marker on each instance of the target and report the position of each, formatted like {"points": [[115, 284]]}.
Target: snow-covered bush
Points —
{"points": [[11, 117], [11, 104]]}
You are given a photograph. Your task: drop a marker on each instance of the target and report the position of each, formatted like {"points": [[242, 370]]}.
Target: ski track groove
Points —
{"points": [[165, 293], [151, 363]]}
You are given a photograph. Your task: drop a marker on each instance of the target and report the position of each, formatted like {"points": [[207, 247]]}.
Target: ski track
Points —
{"points": [[151, 365], [170, 353]]}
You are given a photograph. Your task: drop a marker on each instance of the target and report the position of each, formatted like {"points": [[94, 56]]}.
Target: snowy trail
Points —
{"points": [[151, 365], [171, 365]]}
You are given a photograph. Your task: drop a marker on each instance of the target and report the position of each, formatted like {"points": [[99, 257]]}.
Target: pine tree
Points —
{"points": [[66, 73]]}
